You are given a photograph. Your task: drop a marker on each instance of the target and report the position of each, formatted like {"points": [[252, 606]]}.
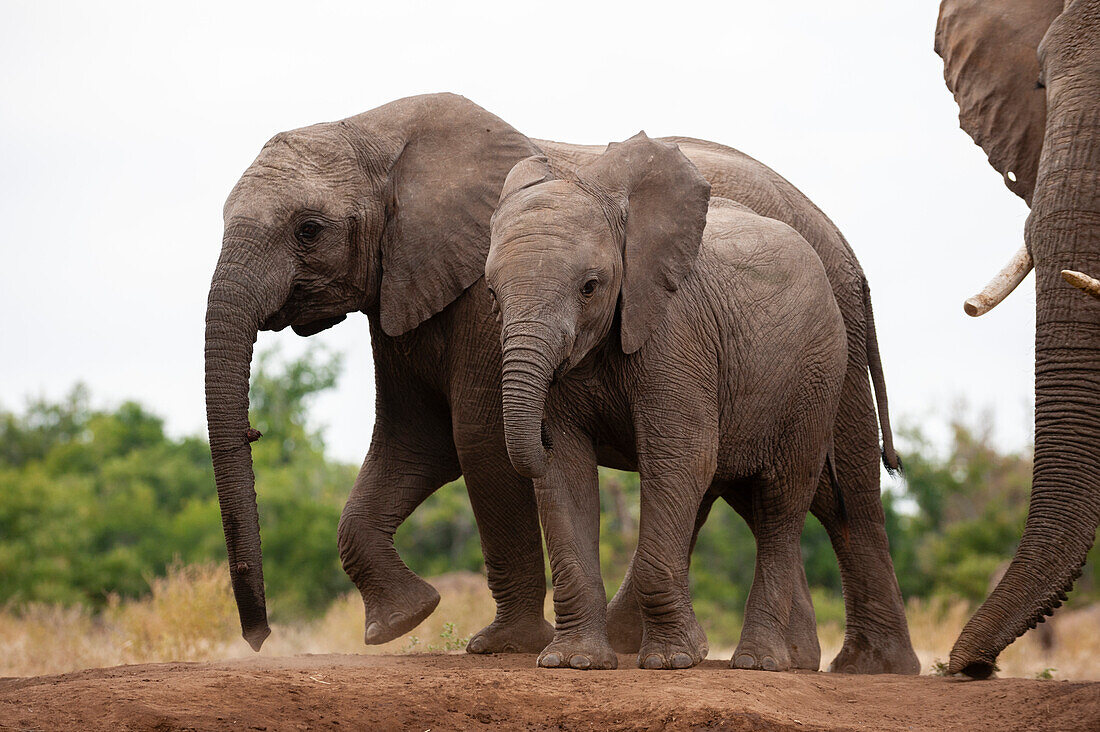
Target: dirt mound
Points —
{"points": [[438, 692]]}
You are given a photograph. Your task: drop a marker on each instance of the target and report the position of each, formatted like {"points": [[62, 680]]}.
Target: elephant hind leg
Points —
{"points": [[778, 507], [876, 637], [507, 518], [803, 645]]}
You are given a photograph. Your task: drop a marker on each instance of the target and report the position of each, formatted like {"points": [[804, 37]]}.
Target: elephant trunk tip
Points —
{"points": [[256, 635], [978, 669], [993, 627]]}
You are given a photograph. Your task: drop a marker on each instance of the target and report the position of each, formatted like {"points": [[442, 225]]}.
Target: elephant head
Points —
{"points": [[1026, 75], [387, 213], [568, 255]]}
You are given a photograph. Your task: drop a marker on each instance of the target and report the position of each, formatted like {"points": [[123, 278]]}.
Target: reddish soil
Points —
{"points": [[439, 692]]}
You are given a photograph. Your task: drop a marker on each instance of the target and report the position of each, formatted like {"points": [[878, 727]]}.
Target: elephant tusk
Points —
{"points": [[1091, 285], [1002, 284]]}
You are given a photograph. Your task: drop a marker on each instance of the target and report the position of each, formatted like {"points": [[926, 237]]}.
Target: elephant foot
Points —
{"points": [[761, 651], [529, 635], [582, 652], [803, 647], [624, 622], [679, 648], [397, 612], [860, 656]]}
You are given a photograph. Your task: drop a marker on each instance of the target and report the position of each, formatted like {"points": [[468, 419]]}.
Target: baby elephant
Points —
{"points": [[701, 344]]}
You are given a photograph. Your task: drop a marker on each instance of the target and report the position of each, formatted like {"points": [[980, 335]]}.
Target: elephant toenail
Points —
{"points": [[682, 660], [396, 619], [372, 633], [770, 664], [550, 660], [476, 645], [653, 661], [744, 661], [580, 662]]}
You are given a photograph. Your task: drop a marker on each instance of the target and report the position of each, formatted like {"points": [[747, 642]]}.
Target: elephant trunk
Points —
{"points": [[1062, 233], [233, 314], [526, 377]]}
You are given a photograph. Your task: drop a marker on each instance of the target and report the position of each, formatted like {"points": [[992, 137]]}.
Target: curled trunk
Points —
{"points": [[526, 377], [233, 314]]}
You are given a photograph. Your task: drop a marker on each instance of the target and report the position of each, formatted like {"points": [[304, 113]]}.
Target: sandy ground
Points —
{"points": [[440, 692]]}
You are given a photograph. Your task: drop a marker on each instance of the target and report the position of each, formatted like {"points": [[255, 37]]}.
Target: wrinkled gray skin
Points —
{"points": [[714, 358], [1026, 75], [388, 213]]}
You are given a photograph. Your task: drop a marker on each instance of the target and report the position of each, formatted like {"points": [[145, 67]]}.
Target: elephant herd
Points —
{"points": [[670, 306]]}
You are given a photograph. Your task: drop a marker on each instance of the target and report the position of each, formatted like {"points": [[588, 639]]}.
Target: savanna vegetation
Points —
{"points": [[110, 533]]}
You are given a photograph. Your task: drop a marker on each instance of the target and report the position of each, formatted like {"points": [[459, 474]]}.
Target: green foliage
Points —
{"points": [[449, 640], [96, 502], [441, 535], [1046, 674]]}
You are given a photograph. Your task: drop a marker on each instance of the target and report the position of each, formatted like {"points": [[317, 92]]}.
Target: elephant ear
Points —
{"points": [[990, 61], [526, 173], [445, 185], [665, 200]]}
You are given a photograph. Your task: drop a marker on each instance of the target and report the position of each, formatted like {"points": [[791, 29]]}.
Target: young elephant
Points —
{"points": [[711, 357]]}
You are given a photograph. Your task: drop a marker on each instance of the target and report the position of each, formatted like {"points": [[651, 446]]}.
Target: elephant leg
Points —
{"points": [[876, 637], [507, 520], [569, 507], [670, 498], [803, 646], [624, 612], [396, 477], [779, 507], [506, 513]]}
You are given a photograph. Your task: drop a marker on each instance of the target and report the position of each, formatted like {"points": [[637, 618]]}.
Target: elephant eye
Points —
{"points": [[308, 231], [589, 287]]}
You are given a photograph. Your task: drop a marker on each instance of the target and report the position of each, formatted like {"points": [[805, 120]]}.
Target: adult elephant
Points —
{"points": [[1026, 76], [388, 213]]}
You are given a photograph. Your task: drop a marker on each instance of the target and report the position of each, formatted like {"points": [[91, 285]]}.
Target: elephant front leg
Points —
{"points": [[393, 481], [671, 636], [569, 507], [624, 613]]}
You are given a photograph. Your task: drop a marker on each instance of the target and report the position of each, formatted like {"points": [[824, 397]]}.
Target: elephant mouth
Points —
{"points": [[545, 438], [316, 326]]}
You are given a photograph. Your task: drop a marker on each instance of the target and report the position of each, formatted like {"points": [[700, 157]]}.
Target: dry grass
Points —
{"points": [[190, 616]]}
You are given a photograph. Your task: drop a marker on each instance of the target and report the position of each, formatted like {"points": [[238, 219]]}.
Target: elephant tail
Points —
{"points": [[874, 362], [841, 507]]}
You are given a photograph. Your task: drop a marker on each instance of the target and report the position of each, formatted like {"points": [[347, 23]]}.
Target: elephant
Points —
{"points": [[696, 336], [1026, 77], [387, 213]]}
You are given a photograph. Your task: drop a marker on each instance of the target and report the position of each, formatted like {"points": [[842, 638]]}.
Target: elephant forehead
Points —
{"points": [[558, 209], [265, 193]]}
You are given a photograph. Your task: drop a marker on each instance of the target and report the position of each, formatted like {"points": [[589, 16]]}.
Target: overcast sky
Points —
{"points": [[124, 126]]}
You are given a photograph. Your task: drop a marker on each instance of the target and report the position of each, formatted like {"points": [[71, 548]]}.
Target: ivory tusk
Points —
{"points": [[1002, 284], [1091, 285]]}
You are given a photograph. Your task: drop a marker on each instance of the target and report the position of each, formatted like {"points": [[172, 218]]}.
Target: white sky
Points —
{"points": [[123, 127]]}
